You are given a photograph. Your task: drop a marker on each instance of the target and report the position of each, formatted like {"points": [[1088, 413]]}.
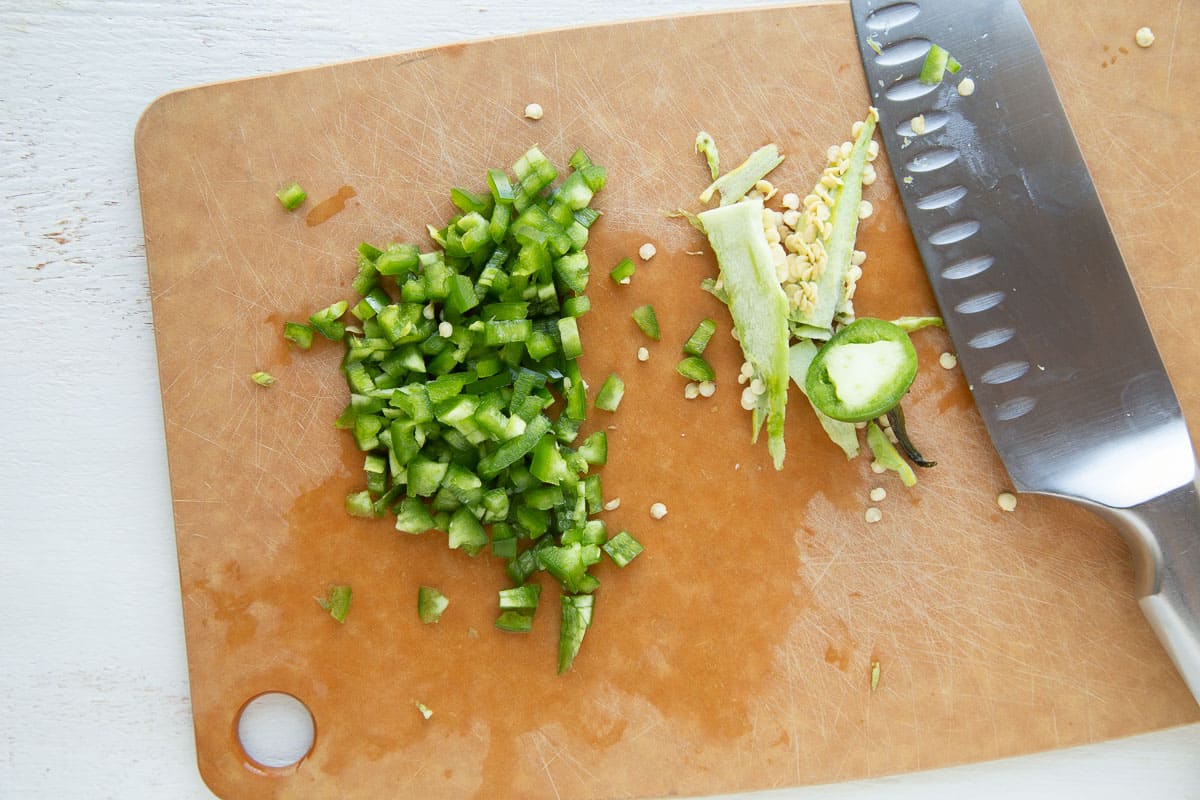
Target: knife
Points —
{"points": [[1034, 292]]}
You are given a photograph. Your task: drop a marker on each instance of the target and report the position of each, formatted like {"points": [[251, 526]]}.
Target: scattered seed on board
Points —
{"points": [[658, 510], [918, 124], [878, 494], [966, 87], [948, 360], [647, 251], [1144, 37], [707, 388], [691, 391], [533, 111], [643, 354], [865, 209], [1007, 501], [878, 468], [873, 515], [613, 505]]}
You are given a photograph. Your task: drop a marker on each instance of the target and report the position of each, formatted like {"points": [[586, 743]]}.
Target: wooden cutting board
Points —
{"points": [[735, 652]]}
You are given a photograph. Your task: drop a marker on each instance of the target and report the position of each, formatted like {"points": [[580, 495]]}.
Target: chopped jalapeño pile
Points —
{"points": [[466, 395]]}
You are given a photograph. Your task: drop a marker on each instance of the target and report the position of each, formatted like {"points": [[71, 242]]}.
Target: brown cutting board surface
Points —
{"points": [[735, 652]]}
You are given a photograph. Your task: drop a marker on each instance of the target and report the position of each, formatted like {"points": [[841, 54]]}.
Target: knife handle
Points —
{"points": [[1164, 535]]}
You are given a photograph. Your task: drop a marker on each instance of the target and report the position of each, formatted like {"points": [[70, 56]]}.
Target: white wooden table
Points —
{"points": [[93, 684]]}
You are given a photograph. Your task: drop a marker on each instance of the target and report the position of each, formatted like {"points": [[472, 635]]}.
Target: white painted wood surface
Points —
{"points": [[93, 683]]}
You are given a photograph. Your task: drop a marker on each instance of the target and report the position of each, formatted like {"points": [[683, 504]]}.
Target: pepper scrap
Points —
{"points": [[337, 602], [896, 418], [759, 309]]}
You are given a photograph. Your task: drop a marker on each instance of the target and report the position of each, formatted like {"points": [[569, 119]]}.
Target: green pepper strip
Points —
{"points": [[839, 245], [910, 324]]}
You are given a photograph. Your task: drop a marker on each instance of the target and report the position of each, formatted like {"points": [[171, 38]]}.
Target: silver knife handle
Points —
{"points": [[1164, 536]]}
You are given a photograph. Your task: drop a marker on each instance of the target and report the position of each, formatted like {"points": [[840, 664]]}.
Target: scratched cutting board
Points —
{"points": [[735, 652]]}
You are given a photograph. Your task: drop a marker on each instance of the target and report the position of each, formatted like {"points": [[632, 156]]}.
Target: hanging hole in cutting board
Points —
{"points": [[276, 731]]}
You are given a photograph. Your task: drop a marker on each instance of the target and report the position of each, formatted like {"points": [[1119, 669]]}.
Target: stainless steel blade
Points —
{"points": [[1035, 294]]}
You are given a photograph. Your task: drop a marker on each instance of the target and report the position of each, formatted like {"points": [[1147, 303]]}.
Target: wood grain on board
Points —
{"points": [[736, 652]]}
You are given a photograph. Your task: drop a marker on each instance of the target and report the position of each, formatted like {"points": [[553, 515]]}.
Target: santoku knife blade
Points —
{"points": [[1035, 294]]}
